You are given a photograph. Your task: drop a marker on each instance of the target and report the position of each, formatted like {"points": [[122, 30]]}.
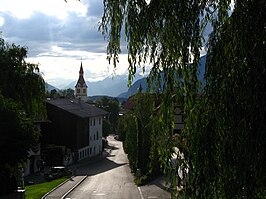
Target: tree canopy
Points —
{"points": [[21, 80], [18, 133], [223, 140], [137, 129], [111, 105], [21, 102]]}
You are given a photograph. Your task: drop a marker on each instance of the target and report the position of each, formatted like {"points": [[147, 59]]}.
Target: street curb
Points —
{"points": [[43, 197], [84, 178]]}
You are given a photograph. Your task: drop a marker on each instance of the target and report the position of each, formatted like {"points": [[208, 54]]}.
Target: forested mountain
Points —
{"points": [[143, 82]]}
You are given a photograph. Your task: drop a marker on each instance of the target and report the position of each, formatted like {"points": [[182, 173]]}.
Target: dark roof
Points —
{"points": [[77, 107], [81, 82]]}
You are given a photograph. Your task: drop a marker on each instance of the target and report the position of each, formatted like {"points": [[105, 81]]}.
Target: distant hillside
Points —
{"points": [[143, 82], [134, 88], [49, 87], [201, 69], [108, 86]]}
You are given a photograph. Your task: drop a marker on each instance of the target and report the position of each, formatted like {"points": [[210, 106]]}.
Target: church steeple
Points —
{"points": [[81, 70], [81, 87]]}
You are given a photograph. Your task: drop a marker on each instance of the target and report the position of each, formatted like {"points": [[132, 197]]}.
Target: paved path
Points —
{"points": [[111, 178], [108, 178]]}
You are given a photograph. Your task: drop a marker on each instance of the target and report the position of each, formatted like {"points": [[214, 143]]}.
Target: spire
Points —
{"points": [[81, 72], [81, 87], [81, 82]]}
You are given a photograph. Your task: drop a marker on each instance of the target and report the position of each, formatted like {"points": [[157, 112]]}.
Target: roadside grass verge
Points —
{"points": [[38, 190]]}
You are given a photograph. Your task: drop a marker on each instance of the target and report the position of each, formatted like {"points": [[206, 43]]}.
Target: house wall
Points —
{"points": [[62, 129], [82, 133], [93, 135], [96, 135]]}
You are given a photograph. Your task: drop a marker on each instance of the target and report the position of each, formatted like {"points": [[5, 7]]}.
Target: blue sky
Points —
{"points": [[58, 35]]}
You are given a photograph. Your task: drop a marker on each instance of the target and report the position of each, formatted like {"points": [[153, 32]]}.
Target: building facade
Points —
{"points": [[76, 126]]}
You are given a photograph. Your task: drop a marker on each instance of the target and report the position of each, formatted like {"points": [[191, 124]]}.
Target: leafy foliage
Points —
{"points": [[231, 113], [107, 128], [21, 101], [68, 93], [112, 106], [138, 133], [128, 125], [223, 141], [17, 133], [65, 93], [20, 80]]}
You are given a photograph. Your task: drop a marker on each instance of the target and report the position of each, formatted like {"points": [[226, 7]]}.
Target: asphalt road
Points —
{"points": [[109, 178]]}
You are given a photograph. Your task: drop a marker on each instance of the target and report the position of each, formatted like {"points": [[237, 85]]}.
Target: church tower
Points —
{"points": [[81, 87]]}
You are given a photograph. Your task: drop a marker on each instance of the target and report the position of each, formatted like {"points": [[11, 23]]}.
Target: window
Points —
{"points": [[94, 137], [78, 90], [94, 122], [97, 136], [84, 90], [100, 120]]}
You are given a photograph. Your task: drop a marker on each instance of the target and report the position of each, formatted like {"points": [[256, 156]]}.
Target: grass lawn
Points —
{"points": [[38, 190]]}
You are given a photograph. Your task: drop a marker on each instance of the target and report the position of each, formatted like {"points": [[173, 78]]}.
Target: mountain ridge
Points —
{"points": [[117, 86], [143, 82], [109, 86]]}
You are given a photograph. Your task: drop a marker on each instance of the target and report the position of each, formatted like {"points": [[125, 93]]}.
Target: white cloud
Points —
{"points": [[57, 65], [2, 21], [58, 35], [58, 8]]}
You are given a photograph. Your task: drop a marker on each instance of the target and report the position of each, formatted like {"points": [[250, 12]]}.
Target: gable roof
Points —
{"points": [[77, 107], [81, 82]]}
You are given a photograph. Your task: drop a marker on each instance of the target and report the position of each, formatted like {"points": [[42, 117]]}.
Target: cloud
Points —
{"points": [[58, 44], [75, 32], [2, 21], [58, 8], [37, 32], [58, 35]]}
